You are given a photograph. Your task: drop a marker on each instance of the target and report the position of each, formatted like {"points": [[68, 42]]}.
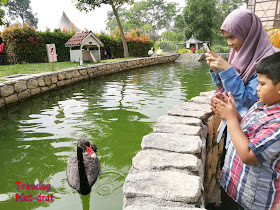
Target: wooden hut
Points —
{"points": [[84, 46]]}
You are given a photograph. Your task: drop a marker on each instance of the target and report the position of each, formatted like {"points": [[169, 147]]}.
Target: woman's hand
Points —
{"points": [[216, 62]]}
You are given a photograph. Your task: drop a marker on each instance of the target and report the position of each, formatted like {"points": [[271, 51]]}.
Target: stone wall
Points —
{"points": [[16, 88], [169, 172], [194, 57]]}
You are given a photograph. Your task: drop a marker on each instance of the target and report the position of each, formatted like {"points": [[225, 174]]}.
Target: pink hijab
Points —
{"points": [[247, 27]]}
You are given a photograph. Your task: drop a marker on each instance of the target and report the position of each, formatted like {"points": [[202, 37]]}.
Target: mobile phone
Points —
{"points": [[206, 47]]}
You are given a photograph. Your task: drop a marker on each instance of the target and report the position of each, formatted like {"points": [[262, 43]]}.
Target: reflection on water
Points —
{"points": [[39, 135]]}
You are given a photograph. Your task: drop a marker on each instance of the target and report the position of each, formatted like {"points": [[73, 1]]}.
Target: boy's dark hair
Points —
{"points": [[270, 67]]}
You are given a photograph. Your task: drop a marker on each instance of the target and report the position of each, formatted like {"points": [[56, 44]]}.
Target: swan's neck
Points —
{"points": [[84, 186]]}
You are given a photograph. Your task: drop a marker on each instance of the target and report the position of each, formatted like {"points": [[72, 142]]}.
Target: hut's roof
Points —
{"points": [[193, 40], [79, 37]]}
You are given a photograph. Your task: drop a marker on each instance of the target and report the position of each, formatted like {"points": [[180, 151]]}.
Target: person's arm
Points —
{"points": [[227, 111], [241, 142], [215, 77], [244, 95]]}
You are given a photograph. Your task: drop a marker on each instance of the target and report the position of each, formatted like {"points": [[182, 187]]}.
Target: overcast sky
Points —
{"points": [[49, 14]]}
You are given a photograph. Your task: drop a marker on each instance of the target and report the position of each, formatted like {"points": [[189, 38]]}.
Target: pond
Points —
{"points": [[114, 112]]}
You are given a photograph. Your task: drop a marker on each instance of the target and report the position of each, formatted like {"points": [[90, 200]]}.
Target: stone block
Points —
{"points": [[24, 94], [75, 79], [191, 106], [200, 99], [54, 78], [7, 90], [167, 185], [152, 159], [185, 113], [169, 119], [20, 86], [181, 129], [41, 82], [61, 76], [83, 72], [48, 80], [11, 99], [53, 86], [76, 74], [172, 142], [44, 89], [32, 83], [35, 91], [60, 83], [68, 81], [69, 75]]}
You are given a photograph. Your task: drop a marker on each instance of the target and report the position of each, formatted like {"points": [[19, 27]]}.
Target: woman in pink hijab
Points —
{"points": [[249, 44]]}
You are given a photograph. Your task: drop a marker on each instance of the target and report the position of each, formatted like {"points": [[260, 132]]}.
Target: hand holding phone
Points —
{"points": [[206, 47]]}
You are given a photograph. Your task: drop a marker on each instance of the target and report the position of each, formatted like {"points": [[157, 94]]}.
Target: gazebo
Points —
{"points": [[193, 40], [88, 40]]}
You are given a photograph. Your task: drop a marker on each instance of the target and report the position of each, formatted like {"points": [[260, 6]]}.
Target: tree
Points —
{"points": [[150, 16], [21, 9], [2, 12], [199, 16], [87, 5]]}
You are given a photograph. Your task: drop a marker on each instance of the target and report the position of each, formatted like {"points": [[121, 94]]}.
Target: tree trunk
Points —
{"points": [[125, 48]]}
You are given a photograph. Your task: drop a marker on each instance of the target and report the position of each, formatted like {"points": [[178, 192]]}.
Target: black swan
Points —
{"points": [[84, 167]]}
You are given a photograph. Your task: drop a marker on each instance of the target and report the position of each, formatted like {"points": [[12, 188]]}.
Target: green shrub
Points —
{"points": [[58, 38], [220, 49], [23, 44], [137, 47], [183, 50]]}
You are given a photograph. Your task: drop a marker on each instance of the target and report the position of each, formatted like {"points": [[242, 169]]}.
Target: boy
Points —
{"points": [[251, 171]]}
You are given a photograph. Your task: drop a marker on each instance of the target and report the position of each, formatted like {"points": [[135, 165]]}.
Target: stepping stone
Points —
{"points": [[181, 129], [187, 113], [191, 106], [169, 119], [167, 185], [172, 142], [160, 160]]}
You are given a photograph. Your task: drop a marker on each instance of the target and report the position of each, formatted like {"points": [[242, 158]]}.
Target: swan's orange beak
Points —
{"points": [[90, 152]]}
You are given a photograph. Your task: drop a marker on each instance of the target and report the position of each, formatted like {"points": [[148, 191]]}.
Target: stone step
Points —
{"points": [[191, 106], [172, 142], [169, 119], [181, 129], [151, 159], [166, 185], [186, 113]]}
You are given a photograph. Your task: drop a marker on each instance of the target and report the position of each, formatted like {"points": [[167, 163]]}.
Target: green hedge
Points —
{"points": [[58, 38], [136, 48], [25, 45]]}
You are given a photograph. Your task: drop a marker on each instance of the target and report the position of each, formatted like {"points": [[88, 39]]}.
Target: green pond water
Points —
{"points": [[38, 136]]}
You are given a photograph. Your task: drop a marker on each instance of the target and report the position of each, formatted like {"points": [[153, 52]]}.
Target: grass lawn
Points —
{"points": [[35, 68]]}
